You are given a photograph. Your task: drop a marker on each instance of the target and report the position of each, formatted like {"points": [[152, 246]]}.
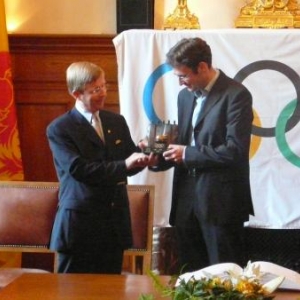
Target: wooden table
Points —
{"points": [[78, 287], [89, 287]]}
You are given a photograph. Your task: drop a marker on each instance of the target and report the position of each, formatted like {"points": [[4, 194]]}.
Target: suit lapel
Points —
{"points": [[212, 98], [110, 129], [187, 111], [84, 128], [106, 127]]}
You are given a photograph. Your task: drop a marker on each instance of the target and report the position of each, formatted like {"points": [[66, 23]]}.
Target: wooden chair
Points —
{"points": [[141, 201], [27, 211]]}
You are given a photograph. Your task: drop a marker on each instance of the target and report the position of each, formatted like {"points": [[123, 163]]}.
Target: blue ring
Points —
{"points": [[148, 92]]}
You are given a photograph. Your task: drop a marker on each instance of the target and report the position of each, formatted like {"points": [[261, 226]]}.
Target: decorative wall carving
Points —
{"points": [[269, 14]]}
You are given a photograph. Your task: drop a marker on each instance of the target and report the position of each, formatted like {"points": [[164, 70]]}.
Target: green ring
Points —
{"points": [[280, 134]]}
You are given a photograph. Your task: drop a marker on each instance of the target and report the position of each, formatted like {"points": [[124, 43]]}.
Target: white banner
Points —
{"points": [[267, 63]]}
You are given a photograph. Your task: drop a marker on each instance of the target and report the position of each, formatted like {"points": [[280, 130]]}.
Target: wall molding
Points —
{"points": [[46, 43]]}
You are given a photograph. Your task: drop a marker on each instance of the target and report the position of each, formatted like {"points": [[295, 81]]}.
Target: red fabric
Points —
{"points": [[11, 167]]}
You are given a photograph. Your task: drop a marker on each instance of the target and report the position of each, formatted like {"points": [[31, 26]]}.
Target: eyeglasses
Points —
{"points": [[99, 89], [183, 77]]}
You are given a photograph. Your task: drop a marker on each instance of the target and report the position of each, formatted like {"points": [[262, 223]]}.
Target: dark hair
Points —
{"points": [[190, 52]]}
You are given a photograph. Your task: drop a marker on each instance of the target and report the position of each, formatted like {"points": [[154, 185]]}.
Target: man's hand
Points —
{"points": [[142, 144], [141, 160], [153, 159], [174, 153]]}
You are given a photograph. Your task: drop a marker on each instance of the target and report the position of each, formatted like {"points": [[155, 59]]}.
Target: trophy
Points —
{"points": [[160, 136]]}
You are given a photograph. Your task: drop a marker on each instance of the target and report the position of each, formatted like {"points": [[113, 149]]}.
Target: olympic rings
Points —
{"points": [[290, 74], [287, 120]]}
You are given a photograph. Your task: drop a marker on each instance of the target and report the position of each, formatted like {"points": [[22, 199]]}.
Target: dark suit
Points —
{"points": [[211, 188], [93, 221]]}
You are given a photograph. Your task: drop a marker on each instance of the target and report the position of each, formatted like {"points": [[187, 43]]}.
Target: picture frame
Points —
{"points": [[135, 14]]}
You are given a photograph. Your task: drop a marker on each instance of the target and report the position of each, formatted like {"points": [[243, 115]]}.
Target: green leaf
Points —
{"points": [[146, 297]]}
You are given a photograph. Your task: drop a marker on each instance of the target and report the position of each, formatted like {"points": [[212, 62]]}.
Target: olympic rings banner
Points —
{"points": [[267, 63]]}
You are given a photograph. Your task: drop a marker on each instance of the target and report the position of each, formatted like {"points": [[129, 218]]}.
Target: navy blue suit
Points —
{"points": [[211, 189], [92, 224], [221, 155]]}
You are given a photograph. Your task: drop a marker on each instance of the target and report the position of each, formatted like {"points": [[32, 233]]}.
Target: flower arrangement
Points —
{"points": [[231, 286]]}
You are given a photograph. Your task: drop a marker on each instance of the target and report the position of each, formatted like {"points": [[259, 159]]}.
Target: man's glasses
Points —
{"points": [[183, 77], [99, 89]]}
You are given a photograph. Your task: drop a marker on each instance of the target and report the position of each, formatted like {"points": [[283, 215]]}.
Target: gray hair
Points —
{"points": [[81, 73]]}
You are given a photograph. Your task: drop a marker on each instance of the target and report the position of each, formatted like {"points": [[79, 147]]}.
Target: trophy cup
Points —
{"points": [[160, 136]]}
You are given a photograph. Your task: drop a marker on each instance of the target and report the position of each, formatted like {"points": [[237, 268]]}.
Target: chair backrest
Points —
{"points": [[141, 202], [27, 211]]}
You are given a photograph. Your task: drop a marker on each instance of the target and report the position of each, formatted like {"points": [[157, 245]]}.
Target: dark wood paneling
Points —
{"points": [[39, 63]]}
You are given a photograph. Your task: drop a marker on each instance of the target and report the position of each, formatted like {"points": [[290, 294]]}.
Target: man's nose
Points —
{"points": [[181, 81]]}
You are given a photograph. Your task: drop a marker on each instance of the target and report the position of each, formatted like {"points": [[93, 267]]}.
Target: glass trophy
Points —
{"points": [[160, 136]]}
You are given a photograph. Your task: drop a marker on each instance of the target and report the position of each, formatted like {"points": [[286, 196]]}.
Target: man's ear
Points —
{"points": [[202, 66], [76, 95]]}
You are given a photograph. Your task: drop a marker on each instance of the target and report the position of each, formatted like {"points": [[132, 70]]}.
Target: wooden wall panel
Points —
{"points": [[39, 63]]}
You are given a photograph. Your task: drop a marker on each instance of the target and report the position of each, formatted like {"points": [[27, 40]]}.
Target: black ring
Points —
{"points": [[290, 74]]}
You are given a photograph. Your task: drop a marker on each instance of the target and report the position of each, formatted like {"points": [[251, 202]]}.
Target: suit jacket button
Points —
{"points": [[112, 204]]}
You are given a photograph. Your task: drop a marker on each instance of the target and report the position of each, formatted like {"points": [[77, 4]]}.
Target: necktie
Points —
{"points": [[197, 108], [96, 123]]}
